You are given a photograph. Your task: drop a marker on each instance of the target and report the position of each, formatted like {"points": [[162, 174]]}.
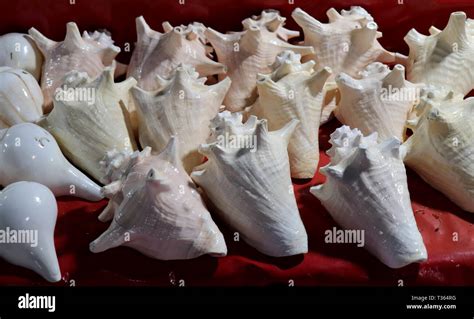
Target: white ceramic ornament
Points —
{"points": [[380, 101], [90, 121], [28, 213], [444, 59], [21, 99], [294, 91], [19, 51], [90, 54], [30, 153], [159, 212], [366, 190], [183, 108], [158, 54], [247, 178], [441, 149], [250, 52]]}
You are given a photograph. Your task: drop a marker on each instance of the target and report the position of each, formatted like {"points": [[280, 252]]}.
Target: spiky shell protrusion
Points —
{"points": [[247, 178], [348, 43], [90, 122], [183, 108], [90, 55], [444, 59], [441, 149], [250, 52], [160, 53], [294, 91], [159, 211], [381, 101], [366, 190]]}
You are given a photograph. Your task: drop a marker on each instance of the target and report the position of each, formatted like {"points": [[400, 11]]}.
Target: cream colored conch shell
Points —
{"points": [[19, 51], [348, 43], [380, 101], [250, 52], [30, 153], [161, 214], [247, 178], [21, 99], [90, 54], [183, 108], [441, 149], [294, 91], [444, 59], [29, 208], [90, 123], [366, 190], [160, 53]]}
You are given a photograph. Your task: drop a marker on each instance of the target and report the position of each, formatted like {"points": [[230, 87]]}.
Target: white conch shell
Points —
{"points": [[294, 91], [90, 54], [441, 149], [30, 208], [182, 108], [444, 59], [21, 99], [381, 101], [348, 43], [250, 52], [89, 121], [30, 153], [160, 53], [366, 190], [19, 51], [247, 178], [161, 212]]}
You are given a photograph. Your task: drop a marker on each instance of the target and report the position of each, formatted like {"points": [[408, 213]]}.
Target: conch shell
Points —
{"points": [[183, 108], [441, 149], [381, 101], [30, 208], [366, 190], [250, 52], [348, 43], [161, 213], [444, 59], [160, 53], [21, 99], [247, 178], [90, 54], [30, 153], [19, 51], [90, 123], [294, 91]]}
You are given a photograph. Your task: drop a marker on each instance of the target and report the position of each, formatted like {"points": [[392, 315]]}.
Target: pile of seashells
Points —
{"points": [[184, 132]]}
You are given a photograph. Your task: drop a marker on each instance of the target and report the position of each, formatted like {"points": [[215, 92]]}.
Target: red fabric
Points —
{"points": [[450, 262]]}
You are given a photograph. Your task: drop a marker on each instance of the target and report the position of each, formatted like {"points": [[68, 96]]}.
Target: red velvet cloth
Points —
{"points": [[450, 262]]}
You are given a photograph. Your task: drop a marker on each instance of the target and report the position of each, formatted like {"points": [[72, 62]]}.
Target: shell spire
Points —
{"points": [[160, 53], [294, 91], [366, 190], [250, 52], [160, 209], [183, 108], [247, 178], [444, 59], [89, 54]]}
